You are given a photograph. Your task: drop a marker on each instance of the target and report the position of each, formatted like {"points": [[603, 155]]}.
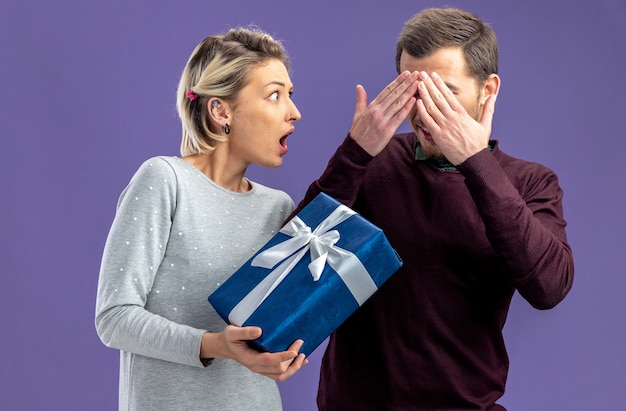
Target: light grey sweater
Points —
{"points": [[175, 238]]}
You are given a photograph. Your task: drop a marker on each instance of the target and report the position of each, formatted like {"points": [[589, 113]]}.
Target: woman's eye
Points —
{"points": [[274, 96]]}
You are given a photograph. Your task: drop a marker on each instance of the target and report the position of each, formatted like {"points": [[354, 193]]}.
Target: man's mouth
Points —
{"points": [[425, 132]]}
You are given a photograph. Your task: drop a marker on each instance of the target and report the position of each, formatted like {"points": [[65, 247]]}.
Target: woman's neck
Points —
{"points": [[220, 171]]}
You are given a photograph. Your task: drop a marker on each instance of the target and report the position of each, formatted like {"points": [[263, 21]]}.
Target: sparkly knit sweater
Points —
{"points": [[431, 337], [175, 237]]}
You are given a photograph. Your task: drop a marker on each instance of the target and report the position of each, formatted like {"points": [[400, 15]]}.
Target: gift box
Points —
{"points": [[309, 278]]}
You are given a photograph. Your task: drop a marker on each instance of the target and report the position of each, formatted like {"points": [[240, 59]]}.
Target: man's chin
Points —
{"points": [[433, 155], [430, 149]]}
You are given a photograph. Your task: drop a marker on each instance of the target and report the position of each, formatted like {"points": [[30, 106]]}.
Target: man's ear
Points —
{"points": [[490, 87]]}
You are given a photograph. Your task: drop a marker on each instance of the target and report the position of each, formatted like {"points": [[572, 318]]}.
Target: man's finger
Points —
{"points": [[489, 107], [361, 101]]}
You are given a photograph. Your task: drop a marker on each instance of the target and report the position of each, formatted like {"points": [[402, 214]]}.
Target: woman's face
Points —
{"points": [[263, 117]]}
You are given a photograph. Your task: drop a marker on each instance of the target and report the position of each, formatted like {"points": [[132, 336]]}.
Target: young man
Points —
{"points": [[471, 223]]}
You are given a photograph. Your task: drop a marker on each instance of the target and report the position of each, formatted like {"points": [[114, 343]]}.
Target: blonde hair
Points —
{"points": [[219, 67]]}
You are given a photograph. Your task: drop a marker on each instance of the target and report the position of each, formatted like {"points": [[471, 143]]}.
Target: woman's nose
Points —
{"points": [[294, 113]]}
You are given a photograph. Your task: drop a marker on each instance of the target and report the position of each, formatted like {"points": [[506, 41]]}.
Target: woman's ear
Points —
{"points": [[217, 111]]}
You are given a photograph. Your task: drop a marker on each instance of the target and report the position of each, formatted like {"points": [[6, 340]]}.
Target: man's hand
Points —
{"points": [[457, 134], [374, 125]]}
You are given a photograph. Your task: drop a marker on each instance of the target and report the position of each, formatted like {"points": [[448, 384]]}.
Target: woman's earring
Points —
{"points": [[226, 129]]}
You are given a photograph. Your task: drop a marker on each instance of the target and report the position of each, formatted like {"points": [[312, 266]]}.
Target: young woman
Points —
{"points": [[184, 224]]}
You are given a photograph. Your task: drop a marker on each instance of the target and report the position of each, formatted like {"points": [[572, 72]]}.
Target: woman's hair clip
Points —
{"points": [[191, 95]]}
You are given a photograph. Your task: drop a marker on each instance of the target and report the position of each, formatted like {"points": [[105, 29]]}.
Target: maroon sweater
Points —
{"points": [[431, 337]]}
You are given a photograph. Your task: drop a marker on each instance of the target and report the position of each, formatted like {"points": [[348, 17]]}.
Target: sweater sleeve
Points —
{"points": [[132, 255], [342, 177], [525, 226]]}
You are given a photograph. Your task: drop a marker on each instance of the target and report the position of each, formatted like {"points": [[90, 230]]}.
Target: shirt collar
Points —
{"points": [[442, 164]]}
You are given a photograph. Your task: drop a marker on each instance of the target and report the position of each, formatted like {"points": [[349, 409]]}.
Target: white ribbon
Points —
{"points": [[321, 243]]}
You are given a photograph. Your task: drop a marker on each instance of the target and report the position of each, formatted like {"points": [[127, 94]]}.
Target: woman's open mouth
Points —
{"points": [[283, 144]]}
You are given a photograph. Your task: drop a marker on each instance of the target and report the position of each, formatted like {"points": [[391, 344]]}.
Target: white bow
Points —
{"points": [[321, 243]]}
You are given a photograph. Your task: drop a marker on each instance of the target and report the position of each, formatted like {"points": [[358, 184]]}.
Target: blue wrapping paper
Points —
{"points": [[297, 305]]}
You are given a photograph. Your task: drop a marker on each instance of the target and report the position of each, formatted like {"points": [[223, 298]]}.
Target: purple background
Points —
{"points": [[87, 94]]}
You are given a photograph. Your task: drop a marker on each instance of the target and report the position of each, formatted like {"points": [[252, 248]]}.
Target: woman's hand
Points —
{"points": [[232, 343]]}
